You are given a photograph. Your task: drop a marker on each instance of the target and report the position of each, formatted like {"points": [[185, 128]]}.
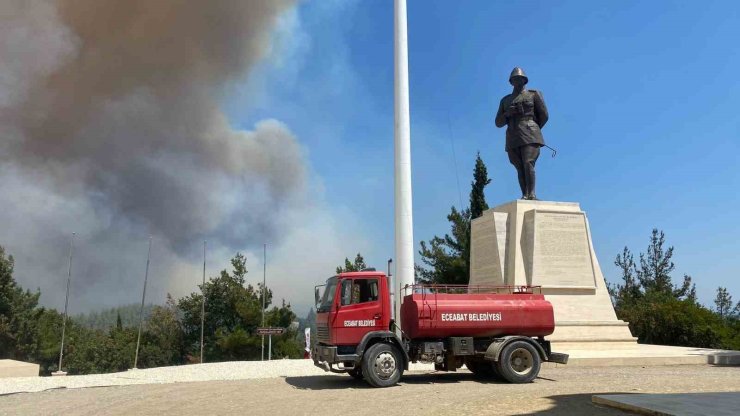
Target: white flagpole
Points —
{"points": [[404, 229]]}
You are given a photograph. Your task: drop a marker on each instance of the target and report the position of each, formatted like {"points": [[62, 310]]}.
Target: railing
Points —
{"points": [[422, 288]]}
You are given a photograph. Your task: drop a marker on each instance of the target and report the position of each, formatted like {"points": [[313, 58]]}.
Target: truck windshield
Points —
{"points": [[327, 298]]}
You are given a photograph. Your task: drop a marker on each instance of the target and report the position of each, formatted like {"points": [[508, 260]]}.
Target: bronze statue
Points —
{"points": [[524, 113]]}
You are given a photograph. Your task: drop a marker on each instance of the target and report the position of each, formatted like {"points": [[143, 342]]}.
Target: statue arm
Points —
{"points": [[500, 115], [540, 110]]}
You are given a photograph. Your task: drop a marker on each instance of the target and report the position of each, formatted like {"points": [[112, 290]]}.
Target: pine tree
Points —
{"points": [[723, 303], [447, 259], [629, 290], [477, 196], [357, 266], [18, 314], [654, 274]]}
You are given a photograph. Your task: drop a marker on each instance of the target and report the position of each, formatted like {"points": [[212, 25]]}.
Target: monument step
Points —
{"points": [[631, 353], [594, 331], [591, 323]]}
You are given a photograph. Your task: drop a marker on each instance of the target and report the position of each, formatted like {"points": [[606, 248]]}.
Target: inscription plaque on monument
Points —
{"points": [[558, 244]]}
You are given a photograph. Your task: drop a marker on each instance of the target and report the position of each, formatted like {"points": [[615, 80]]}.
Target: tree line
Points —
{"points": [[662, 312], [658, 310], [171, 332]]}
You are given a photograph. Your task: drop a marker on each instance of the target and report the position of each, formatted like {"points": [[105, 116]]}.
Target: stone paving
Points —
{"points": [[688, 404]]}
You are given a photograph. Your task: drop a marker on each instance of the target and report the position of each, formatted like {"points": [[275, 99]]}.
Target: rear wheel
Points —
{"points": [[382, 365], [519, 362]]}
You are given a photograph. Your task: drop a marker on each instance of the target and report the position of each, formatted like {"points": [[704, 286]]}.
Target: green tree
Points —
{"points": [[233, 313], [358, 265], [92, 351], [723, 303], [18, 315], [477, 196], [49, 330], [163, 337], [659, 319], [660, 312], [654, 273], [629, 290], [446, 260]]}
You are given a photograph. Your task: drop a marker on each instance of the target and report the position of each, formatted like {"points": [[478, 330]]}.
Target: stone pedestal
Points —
{"points": [[548, 244]]}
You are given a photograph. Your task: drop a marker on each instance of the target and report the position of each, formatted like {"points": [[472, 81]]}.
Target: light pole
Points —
{"points": [[264, 294], [203, 304], [141, 310], [59, 372]]}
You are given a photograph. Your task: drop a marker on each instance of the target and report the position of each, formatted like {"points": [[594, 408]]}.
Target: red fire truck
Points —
{"points": [[493, 331]]}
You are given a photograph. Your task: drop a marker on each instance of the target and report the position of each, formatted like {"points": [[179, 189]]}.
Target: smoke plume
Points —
{"points": [[110, 126]]}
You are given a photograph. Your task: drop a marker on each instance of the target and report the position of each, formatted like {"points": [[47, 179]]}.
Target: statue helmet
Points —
{"points": [[518, 72]]}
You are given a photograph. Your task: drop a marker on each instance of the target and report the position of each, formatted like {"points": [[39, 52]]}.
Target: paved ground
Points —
{"points": [[679, 404], [564, 391]]}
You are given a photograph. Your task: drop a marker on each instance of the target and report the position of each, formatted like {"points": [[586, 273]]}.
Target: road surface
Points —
{"points": [[563, 391]]}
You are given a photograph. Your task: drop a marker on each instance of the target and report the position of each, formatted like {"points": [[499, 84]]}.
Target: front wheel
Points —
{"points": [[519, 362], [382, 365]]}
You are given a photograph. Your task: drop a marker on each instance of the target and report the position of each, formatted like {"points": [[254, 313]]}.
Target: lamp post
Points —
{"points": [[203, 304], [141, 310], [264, 296], [59, 372]]}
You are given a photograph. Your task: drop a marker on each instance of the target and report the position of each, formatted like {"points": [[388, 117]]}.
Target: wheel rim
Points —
{"points": [[385, 365], [521, 361]]}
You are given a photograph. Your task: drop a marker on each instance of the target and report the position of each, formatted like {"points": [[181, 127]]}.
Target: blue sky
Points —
{"points": [[643, 101]]}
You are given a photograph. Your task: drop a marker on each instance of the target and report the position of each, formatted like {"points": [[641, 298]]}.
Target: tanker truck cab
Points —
{"points": [[353, 319], [493, 331]]}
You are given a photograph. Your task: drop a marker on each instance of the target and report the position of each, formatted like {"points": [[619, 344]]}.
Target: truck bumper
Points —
{"points": [[325, 357]]}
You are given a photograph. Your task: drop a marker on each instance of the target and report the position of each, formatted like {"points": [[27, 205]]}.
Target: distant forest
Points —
{"points": [[105, 341], [108, 318]]}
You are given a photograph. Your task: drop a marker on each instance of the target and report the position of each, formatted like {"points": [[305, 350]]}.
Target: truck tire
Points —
{"points": [[482, 368], [382, 365], [356, 373], [519, 362]]}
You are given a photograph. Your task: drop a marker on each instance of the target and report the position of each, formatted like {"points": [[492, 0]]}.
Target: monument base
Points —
{"points": [[548, 244]]}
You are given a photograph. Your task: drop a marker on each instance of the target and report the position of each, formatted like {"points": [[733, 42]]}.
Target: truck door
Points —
{"points": [[360, 310]]}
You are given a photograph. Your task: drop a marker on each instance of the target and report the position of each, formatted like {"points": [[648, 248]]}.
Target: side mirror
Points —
{"points": [[316, 296]]}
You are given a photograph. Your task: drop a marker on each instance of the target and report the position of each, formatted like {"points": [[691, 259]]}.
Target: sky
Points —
{"points": [[642, 100]]}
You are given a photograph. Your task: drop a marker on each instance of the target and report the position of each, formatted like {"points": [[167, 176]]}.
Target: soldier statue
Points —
{"points": [[524, 113]]}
